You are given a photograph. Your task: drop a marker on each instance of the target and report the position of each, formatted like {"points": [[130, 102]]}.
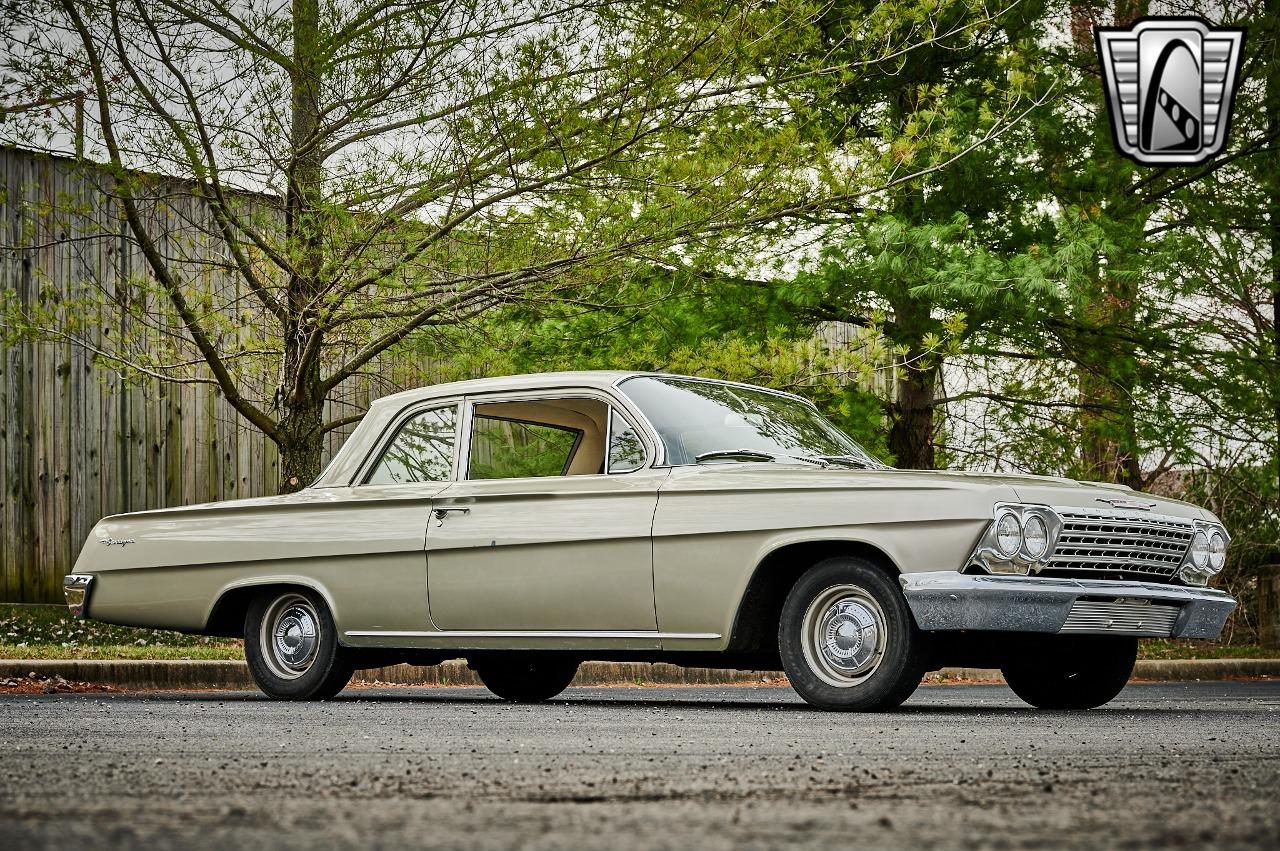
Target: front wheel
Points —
{"points": [[291, 645], [847, 639], [526, 677], [1072, 672]]}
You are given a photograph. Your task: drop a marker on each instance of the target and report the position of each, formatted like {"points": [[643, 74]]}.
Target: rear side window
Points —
{"points": [[512, 449], [421, 452]]}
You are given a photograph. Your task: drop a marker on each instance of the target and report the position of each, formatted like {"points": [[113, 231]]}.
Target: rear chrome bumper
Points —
{"points": [[948, 600], [75, 587]]}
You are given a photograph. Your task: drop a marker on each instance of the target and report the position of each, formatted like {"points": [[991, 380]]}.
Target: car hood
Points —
{"points": [[997, 487], [1054, 490]]}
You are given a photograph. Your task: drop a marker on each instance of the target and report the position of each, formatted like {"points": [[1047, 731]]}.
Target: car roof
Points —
{"points": [[601, 379]]}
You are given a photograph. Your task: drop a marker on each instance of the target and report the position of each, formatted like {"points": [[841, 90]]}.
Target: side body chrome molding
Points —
{"points": [[539, 633]]}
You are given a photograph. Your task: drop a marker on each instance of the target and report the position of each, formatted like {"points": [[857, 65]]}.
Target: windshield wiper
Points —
{"points": [[742, 454], [757, 455], [847, 460]]}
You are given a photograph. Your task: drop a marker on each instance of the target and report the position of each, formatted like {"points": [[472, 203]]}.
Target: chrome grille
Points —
{"points": [[1132, 617], [1132, 543]]}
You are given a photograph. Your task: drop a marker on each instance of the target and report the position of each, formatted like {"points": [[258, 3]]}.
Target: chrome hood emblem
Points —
{"points": [[1125, 502]]}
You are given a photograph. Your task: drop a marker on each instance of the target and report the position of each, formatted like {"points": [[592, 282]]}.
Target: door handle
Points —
{"points": [[442, 513]]}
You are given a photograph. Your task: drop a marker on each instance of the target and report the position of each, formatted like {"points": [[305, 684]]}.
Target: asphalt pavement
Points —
{"points": [[1192, 765]]}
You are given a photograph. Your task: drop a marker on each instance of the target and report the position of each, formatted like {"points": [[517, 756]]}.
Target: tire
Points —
{"points": [[526, 677], [291, 645], [847, 640], [1072, 672]]}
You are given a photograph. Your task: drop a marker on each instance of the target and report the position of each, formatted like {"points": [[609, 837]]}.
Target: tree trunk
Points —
{"points": [[911, 413], [301, 445], [1107, 363], [301, 437], [911, 418], [1108, 432], [1272, 106]]}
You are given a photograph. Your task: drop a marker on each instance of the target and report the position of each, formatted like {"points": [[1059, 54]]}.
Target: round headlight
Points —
{"points": [[1200, 550], [1008, 534], [1035, 536], [1217, 551]]}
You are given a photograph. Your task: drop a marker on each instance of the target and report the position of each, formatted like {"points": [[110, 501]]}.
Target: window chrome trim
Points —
{"points": [[392, 431], [564, 470], [659, 456], [648, 438], [608, 438], [660, 459], [608, 443], [722, 381]]}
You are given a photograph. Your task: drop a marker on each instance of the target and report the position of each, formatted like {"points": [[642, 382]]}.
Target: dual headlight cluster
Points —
{"points": [[1206, 555], [1021, 538]]}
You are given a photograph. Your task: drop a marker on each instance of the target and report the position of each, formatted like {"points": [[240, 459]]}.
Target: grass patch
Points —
{"points": [[1164, 648], [49, 632], [121, 651]]}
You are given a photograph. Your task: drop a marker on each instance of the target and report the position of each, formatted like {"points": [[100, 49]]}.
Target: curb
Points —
{"points": [[204, 674], [1148, 670], [208, 674]]}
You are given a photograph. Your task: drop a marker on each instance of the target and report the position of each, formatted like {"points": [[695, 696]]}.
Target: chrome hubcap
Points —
{"points": [[290, 636], [844, 635]]}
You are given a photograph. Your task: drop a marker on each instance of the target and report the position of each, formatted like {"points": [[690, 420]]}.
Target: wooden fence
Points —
{"points": [[78, 438], [78, 441]]}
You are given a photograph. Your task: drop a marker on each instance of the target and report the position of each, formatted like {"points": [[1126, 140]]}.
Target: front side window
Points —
{"points": [[513, 449], [421, 452], [715, 420], [626, 452]]}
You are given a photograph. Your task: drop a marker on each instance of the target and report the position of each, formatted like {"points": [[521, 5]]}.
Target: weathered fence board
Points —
{"points": [[77, 440]]}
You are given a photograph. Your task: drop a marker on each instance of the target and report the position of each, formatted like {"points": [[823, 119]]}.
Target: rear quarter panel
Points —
{"points": [[360, 548]]}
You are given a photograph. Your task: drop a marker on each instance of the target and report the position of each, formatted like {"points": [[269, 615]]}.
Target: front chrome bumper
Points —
{"points": [[75, 587], [948, 600]]}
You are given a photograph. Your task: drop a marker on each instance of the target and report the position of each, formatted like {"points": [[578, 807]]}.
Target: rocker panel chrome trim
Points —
{"points": [[536, 633]]}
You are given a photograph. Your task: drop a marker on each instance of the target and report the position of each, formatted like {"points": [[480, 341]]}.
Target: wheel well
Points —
{"points": [[227, 617], [755, 628]]}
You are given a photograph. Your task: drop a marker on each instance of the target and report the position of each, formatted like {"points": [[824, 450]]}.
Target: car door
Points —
{"points": [[549, 527], [388, 509]]}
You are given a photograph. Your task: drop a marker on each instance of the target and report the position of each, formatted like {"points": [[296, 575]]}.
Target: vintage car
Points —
{"points": [[531, 522]]}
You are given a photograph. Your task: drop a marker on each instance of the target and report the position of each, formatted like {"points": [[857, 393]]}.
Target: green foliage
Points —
{"points": [[49, 632], [506, 450], [703, 187], [1244, 496]]}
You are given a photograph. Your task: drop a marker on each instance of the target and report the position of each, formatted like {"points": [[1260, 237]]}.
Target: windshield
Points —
{"points": [[694, 418]]}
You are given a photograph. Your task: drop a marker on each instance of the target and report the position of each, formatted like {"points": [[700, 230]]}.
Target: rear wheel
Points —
{"points": [[1072, 672], [291, 645], [526, 677], [847, 638]]}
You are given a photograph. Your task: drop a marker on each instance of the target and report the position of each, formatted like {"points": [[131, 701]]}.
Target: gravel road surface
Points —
{"points": [[1182, 765]]}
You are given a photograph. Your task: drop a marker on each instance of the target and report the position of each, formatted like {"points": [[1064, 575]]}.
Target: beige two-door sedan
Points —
{"points": [[531, 522]]}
